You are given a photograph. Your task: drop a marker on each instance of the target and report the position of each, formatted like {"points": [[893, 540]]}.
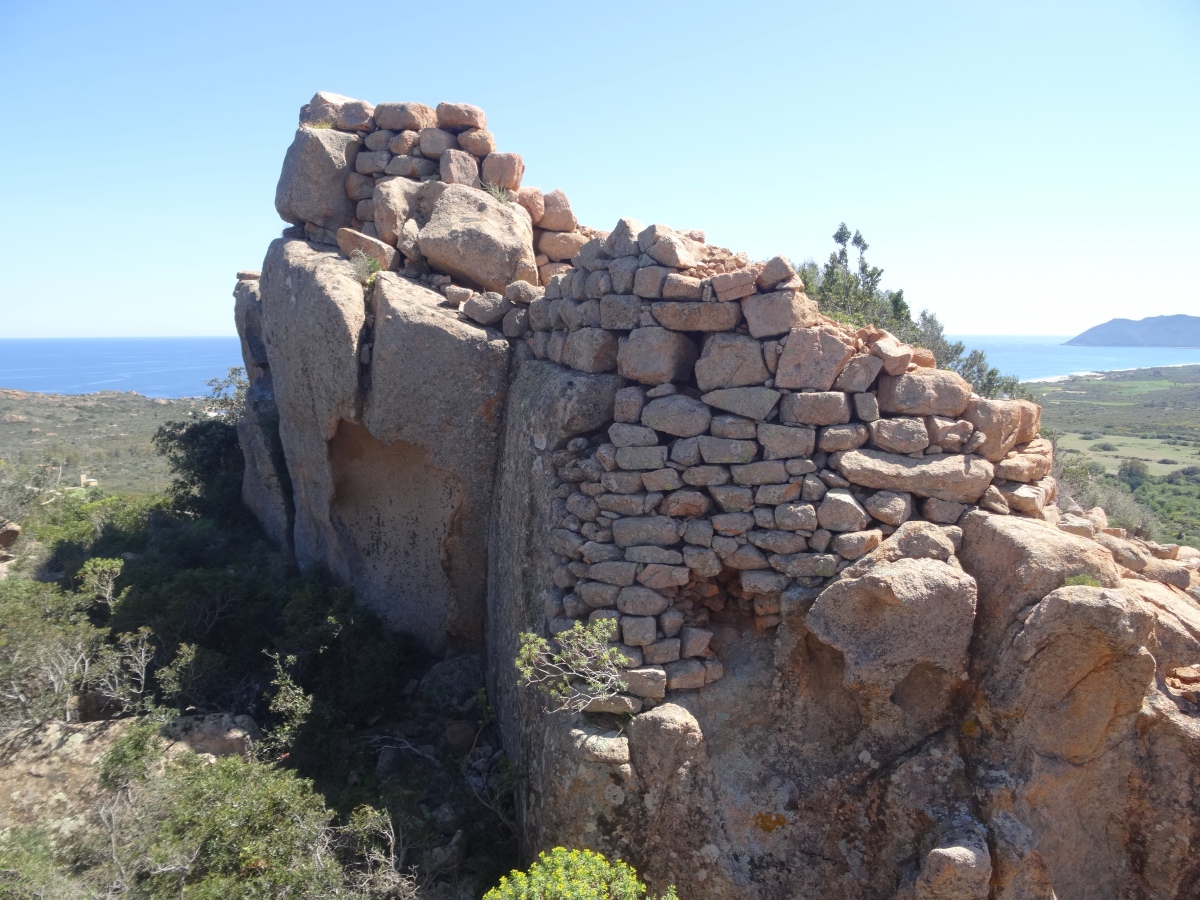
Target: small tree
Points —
{"points": [[98, 579], [585, 667], [1133, 472], [227, 396], [852, 293]]}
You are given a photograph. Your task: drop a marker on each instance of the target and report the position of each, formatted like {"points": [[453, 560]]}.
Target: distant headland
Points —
{"points": [[1155, 331]]}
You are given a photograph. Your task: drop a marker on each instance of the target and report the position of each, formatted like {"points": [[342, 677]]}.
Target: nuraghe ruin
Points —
{"points": [[855, 668]]}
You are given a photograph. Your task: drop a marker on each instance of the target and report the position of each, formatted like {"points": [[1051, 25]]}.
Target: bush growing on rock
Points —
{"points": [[584, 669]]}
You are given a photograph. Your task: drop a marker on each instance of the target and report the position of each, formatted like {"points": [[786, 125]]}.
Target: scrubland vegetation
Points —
{"points": [[1130, 442]]}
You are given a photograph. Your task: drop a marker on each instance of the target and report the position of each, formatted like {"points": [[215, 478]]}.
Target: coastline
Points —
{"points": [[1097, 376]]}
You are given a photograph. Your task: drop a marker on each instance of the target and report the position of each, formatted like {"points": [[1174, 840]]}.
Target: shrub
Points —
{"points": [[233, 828], [1105, 447], [48, 651], [132, 754], [584, 668], [207, 461], [365, 267], [1133, 472], [572, 875], [1081, 581], [30, 868]]}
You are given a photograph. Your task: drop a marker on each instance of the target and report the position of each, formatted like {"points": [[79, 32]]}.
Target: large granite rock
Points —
{"points": [[328, 110], [312, 185], [266, 485], [903, 628], [474, 237], [313, 314], [948, 477], [390, 463], [414, 485], [247, 318], [813, 358], [1065, 708], [925, 392], [1018, 561]]}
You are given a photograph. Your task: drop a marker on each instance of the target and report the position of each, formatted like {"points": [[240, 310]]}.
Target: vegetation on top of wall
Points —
{"points": [[853, 294]]}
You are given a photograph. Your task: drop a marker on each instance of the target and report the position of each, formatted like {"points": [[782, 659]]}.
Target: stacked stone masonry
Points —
{"points": [[760, 448], [752, 463]]}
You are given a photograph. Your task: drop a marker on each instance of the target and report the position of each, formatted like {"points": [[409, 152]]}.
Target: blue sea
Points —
{"points": [[153, 367], [179, 367], [1037, 358]]}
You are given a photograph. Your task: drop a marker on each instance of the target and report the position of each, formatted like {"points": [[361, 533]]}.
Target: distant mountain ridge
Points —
{"points": [[1155, 331]]}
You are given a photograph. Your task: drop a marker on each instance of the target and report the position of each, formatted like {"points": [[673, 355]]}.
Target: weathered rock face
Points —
{"points": [[390, 466], [313, 314], [266, 486], [902, 630], [854, 665], [312, 185], [473, 236], [444, 434]]}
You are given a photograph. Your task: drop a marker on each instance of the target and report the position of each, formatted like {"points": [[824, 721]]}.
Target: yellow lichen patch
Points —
{"points": [[768, 822]]}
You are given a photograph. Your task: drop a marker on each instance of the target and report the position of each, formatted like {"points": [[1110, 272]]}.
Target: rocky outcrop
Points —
{"points": [[314, 171], [866, 655], [389, 464]]}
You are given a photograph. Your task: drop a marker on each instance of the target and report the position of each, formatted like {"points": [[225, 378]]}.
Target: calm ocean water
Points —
{"points": [[178, 367], [154, 367], [1039, 357]]}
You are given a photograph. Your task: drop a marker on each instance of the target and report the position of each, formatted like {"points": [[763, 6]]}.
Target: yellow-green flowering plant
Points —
{"points": [[573, 875]]}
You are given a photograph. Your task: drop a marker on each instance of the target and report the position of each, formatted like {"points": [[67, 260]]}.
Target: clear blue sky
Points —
{"points": [[1017, 167]]}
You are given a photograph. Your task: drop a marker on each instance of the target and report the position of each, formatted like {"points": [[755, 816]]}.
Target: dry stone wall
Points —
{"points": [[827, 559]]}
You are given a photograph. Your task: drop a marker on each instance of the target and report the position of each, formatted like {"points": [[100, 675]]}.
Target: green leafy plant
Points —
{"points": [[132, 755], [233, 828], [30, 867], [573, 875], [98, 578], [289, 703], [584, 667], [1081, 581], [227, 396], [123, 670], [48, 653]]}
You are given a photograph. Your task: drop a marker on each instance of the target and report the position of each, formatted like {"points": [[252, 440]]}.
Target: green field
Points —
{"points": [[1151, 416], [105, 435], [1155, 404], [1161, 457]]}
